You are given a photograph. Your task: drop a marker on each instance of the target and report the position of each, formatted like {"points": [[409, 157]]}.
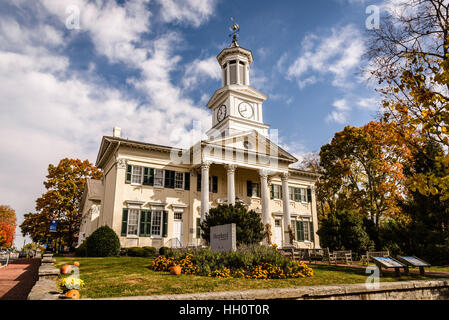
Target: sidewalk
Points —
{"points": [[17, 279]]}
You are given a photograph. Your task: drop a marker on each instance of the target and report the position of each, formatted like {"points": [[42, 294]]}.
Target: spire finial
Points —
{"points": [[235, 30]]}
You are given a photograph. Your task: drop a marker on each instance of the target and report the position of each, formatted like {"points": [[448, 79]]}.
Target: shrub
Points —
{"points": [[164, 250], [81, 251], [149, 251], [252, 262], [103, 242]]}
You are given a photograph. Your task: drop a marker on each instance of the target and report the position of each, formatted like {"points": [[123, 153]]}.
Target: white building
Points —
{"points": [[150, 198]]}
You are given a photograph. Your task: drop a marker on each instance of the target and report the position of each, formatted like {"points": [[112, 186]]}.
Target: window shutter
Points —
{"points": [[128, 173], [143, 215], [187, 181], [312, 234], [215, 184], [124, 222], [198, 228], [198, 182], [149, 221], [280, 191], [165, 224], [169, 179], [299, 231], [249, 188], [309, 195], [272, 191], [297, 194]]}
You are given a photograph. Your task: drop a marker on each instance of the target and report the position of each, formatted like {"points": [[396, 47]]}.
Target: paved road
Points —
{"points": [[17, 279]]}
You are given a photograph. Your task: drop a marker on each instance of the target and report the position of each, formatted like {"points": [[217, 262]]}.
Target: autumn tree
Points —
{"points": [[65, 186], [8, 222], [361, 171], [409, 57]]}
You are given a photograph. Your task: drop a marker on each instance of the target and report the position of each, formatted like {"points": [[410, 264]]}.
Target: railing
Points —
{"points": [[173, 243]]}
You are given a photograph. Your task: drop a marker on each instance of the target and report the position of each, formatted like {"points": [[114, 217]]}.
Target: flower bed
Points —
{"points": [[255, 262]]}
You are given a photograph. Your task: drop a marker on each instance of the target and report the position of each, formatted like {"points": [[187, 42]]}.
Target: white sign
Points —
{"points": [[223, 238]]}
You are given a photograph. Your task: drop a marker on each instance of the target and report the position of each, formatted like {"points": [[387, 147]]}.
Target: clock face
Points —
{"points": [[221, 113], [246, 110]]}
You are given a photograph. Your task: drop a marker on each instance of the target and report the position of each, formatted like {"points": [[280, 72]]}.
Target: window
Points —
{"points": [[277, 223], [297, 194], [306, 226], [291, 193], [179, 180], [303, 195], [255, 189], [133, 221], [276, 191], [213, 183], [158, 178], [156, 223], [178, 215], [293, 226], [136, 176]]}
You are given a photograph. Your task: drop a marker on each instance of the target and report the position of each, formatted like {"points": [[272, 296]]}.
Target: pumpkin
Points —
{"points": [[66, 269], [74, 294], [76, 264], [176, 270]]}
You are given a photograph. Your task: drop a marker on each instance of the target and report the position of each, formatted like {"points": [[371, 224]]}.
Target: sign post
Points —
{"points": [[223, 238]]}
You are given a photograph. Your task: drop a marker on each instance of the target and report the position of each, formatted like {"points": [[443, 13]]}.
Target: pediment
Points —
{"points": [[258, 144]]}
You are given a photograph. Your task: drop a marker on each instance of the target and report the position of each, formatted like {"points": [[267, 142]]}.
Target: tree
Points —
{"points": [[361, 171], [249, 226], [425, 230], [65, 186], [409, 57], [345, 230], [7, 226]]}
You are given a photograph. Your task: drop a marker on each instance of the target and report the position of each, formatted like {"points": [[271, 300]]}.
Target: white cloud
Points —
{"points": [[338, 54], [341, 112], [193, 12], [50, 112], [201, 70], [369, 103]]}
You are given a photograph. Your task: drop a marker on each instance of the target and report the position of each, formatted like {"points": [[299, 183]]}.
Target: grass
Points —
{"points": [[131, 276]]}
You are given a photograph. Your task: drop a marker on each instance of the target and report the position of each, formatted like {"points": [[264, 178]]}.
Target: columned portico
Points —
{"points": [[286, 208], [230, 168], [204, 189]]}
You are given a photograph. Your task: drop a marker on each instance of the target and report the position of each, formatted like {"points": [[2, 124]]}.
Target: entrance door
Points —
{"points": [[177, 230], [278, 233]]}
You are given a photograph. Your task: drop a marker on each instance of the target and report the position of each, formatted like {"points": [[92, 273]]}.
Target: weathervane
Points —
{"points": [[234, 29]]}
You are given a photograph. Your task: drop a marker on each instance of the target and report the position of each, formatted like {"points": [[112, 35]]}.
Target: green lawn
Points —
{"points": [[131, 276]]}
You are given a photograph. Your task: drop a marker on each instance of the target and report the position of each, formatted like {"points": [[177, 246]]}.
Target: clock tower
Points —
{"points": [[236, 107]]}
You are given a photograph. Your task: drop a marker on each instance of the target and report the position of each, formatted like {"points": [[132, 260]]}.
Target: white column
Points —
{"points": [[238, 71], [228, 74], [204, 189], [286, 208], [247, 74], [231, 183], [265, 194]]}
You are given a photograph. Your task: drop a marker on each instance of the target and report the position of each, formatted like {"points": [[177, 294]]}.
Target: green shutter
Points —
{"points": [[280, 191], [272, 191], [297, 194], [149, 221], [165, 224], [215, 184], [198, 182], [312, 234], [187, 181], [142, 225], [198, 228], [249, 188], [309, 195], [299, 231], [128, 173], [124, 222]]}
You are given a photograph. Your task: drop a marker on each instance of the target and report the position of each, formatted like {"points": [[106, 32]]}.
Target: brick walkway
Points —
{"points": [[17, 279]]}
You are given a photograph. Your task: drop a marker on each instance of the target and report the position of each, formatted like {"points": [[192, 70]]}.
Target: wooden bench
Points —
{"points": [[296, 254], [367, 258], [329, 257], [344, 256]]}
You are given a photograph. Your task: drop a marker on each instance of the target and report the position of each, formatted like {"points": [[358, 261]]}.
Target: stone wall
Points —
{"points": [[401, 290], [46, 288]]}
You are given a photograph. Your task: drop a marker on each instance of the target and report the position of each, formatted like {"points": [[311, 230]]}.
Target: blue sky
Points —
{"points": [[149, 67]]}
